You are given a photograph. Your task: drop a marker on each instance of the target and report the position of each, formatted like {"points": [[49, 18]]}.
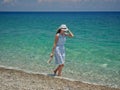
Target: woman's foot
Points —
{"points": [[55, 73]]}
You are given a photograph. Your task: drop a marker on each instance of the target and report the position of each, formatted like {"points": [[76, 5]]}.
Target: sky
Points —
{"points": [[59, 5]]}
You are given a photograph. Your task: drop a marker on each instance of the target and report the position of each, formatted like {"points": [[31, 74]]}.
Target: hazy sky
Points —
{"points": [[59, 5]]}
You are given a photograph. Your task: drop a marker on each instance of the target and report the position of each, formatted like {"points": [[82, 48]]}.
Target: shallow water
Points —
{"points": [[93, 55]]}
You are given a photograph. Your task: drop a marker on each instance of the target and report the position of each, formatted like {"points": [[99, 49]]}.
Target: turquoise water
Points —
{"points": [[93, 55]]}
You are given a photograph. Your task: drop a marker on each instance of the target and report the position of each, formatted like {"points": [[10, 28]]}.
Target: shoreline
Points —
{"points": [[12, 79]]}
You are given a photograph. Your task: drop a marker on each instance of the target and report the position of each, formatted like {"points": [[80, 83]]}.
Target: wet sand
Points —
{"points": [[11, 79]]}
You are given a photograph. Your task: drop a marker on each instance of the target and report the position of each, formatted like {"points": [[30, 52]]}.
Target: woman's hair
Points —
{"points": [[58, 31]]}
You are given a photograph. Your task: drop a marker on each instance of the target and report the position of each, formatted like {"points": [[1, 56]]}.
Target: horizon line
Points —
{"points": [[60, 11]]}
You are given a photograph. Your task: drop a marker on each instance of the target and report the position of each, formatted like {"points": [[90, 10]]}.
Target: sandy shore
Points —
{"points": [[11, 79]]}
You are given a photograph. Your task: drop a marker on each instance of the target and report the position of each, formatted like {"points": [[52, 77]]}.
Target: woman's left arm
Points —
{"points": [[70, 34]]}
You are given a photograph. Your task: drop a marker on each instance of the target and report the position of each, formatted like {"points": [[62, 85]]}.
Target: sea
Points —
{"points": [[92, 55]]}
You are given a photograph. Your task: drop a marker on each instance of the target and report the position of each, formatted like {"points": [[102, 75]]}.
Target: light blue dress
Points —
{"points": [[60, 50]]}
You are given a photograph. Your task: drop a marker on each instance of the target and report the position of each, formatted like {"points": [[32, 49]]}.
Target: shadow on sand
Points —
{"points": [[52, 75]]}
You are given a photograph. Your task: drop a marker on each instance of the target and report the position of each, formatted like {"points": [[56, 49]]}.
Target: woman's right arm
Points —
{"points": [[54, 45]]}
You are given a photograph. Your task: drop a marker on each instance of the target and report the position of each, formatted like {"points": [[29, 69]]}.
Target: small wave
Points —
{"points": [[104, 65]]}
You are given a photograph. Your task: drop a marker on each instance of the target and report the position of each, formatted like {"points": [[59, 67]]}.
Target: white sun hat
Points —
{"points": [[64, 27]]}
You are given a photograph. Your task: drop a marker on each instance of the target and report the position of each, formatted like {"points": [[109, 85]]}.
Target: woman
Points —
{"points": [[58, 48]]}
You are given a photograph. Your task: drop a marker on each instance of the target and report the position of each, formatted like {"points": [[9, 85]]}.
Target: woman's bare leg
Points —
{"points": [[60, 69], [55, 71]]}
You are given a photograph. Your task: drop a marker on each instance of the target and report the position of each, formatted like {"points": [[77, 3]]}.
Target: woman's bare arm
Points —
{"points": [[70, 34], [54, 45]]}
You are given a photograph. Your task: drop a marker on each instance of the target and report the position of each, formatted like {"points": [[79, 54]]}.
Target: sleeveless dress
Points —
{"points": [[60, 50]]}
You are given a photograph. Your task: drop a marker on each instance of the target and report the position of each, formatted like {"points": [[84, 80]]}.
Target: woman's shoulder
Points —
{"points": [[57, 34]]}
